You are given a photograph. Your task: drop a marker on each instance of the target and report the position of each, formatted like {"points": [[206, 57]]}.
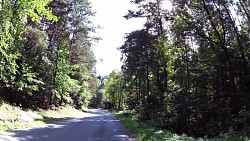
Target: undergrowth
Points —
{"points": [[148, 132], [12, 117]]}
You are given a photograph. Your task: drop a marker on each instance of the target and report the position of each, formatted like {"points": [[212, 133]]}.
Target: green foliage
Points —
{"points": [[13, 20], [46, 59], [112, 90], [28, 81], [146, 131], [188, 69]]}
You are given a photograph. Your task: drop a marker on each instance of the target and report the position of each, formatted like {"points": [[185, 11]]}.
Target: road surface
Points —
{"points": [[95, 126]]}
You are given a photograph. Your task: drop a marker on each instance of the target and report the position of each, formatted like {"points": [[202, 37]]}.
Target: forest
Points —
{"points": [[187, 69], [45, 53]]}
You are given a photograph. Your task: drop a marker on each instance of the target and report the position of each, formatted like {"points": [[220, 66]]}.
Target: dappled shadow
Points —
{"points": [[95, 126], [45, 132], [47, 119]]}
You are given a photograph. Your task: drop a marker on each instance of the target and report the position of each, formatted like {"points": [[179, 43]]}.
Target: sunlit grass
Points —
{"points": [[10, 116], [7, 126], [148, 132]]}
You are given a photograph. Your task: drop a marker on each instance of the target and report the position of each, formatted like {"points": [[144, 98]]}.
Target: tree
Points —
{"points": [[16, 75], [46, 55], [187, 69], [113, 90]]}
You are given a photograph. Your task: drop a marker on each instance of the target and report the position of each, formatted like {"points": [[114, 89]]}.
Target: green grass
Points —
{"points": [[12, 126], [10, 116], [147, 132]]}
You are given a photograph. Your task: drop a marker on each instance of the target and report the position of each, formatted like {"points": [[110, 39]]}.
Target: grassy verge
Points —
{"points": [[15, 118], [148, 132]]}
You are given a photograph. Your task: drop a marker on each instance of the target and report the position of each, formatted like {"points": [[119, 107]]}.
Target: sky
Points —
{"points": [[109, 15]]}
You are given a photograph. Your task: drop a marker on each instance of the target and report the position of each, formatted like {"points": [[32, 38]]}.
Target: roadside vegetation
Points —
{"points": [[46, 58], [46, 61], [12, 117], [187, 69], [147, 131]]}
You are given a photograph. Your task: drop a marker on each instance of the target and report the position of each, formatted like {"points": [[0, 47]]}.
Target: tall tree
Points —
{"points": [[189, 66], [47, 59]]}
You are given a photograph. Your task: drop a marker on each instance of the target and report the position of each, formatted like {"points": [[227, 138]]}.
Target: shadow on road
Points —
{"points": [[95, 126]]}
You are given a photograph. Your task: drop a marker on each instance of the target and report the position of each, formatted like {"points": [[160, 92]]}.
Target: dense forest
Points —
{"points": [[45, 53], [187, 69]]}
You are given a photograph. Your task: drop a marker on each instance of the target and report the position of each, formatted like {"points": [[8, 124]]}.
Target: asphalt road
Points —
{"points": [[95, 126]]}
